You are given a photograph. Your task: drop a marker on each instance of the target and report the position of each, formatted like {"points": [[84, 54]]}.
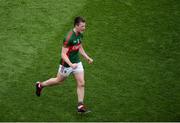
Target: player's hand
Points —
{"points": [[74, 66], [90, 60]]}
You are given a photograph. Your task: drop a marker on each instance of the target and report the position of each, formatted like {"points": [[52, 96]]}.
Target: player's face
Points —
{"points": [[81, 27]]}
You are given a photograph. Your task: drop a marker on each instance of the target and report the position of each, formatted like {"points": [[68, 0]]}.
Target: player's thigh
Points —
{"points": [[79, 76]]}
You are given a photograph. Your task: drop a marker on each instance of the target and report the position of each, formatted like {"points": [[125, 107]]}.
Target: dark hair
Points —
{"points": [[78, 19]]}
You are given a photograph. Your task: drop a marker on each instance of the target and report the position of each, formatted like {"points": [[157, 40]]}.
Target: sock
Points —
{"points": [[80, 103]]}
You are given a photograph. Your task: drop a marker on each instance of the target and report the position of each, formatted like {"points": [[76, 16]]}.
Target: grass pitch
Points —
{"points": [[134, 44]]}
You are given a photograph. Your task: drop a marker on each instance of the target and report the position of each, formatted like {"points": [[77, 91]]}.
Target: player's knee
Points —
{"points": [[81, 84]]}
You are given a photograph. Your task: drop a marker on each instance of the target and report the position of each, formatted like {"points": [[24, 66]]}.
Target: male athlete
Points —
{"points": [[70, 63]]}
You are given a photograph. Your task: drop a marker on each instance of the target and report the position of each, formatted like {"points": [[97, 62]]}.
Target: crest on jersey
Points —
{"points": [[76, 41]]}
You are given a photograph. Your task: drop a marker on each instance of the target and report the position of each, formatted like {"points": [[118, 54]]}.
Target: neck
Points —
{"points": [[75, 30]]}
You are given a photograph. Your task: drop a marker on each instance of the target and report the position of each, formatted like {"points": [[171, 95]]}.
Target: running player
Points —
{"points": [[70, 63]]}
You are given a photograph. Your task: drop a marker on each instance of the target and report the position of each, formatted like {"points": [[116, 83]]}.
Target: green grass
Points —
{"points": [[136, 51]]}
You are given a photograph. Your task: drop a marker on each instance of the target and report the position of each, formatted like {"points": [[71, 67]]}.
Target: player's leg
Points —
{"points": [[79, 76], [50, 82], [62, 74], [54, 81]]}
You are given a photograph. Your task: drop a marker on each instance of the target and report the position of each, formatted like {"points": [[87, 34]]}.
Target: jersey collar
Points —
{"points": [[76, 33]]}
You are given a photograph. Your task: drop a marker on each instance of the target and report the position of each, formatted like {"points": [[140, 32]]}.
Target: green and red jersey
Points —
{"points": [[72, 41]]}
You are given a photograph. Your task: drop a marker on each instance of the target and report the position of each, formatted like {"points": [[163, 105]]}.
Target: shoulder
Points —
{"points": [[67, 39], [68, 35]]}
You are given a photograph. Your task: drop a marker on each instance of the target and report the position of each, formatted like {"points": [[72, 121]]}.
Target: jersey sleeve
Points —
{"points": [[66, 43], [67, 40]]}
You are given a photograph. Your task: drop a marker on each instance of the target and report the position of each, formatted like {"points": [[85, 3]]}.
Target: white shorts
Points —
{"points": [[66, 71]]}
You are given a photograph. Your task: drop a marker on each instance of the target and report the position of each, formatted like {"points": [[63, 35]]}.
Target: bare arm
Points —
{"points": [[65, 57], [83, 53]]}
